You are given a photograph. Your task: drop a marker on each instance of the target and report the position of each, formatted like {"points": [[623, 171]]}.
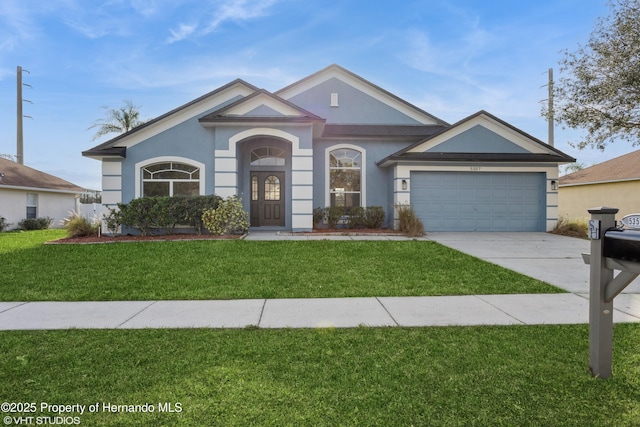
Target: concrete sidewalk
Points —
{"points": [[547, 257], [312, 313]]}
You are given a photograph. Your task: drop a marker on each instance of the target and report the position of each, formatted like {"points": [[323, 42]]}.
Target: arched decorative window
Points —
{"points": [[345, 177], [267, 156], [170, 179]]}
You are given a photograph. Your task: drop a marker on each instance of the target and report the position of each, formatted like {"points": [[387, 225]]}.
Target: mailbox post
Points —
{"points": [[608, 253], [600, 311]]}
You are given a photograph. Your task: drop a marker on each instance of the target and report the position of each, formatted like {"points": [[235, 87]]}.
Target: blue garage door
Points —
{"points": [[479, 201]]}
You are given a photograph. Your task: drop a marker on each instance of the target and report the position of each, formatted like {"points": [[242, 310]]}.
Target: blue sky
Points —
{"points": [[448, 57]]}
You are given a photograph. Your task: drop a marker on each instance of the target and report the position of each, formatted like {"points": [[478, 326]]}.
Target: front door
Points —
{"points": [[267, 199]]}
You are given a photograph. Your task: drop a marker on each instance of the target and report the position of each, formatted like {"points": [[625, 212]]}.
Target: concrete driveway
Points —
{"points": [[554, 259]]}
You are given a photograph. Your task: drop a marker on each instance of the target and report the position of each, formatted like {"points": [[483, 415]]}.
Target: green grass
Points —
{"points": [[451, 376], [238, 269]]}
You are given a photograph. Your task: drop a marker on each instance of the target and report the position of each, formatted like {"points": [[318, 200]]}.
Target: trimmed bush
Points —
{"points": [[373, 217], [140, 213], [229, 218], [35, 223], [318, 216], [79, 226], [354, 217], [164, 213], [4, 224], [113, 220], [408, 222], [334, 214]]}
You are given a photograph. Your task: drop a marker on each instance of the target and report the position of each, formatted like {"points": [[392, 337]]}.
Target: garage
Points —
{"points": [[479, 201]]}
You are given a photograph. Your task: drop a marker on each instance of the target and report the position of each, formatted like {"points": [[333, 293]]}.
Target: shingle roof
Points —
{"points": [[103, 149], [17, 175], [623, 168], [410, 131], [553, 155]]}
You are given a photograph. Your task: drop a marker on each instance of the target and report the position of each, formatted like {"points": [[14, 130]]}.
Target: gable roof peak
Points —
{"points": [[196, 104], [352, 79]]}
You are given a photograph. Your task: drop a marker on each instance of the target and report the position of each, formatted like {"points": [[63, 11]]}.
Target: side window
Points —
{"points": [[32, 206]]}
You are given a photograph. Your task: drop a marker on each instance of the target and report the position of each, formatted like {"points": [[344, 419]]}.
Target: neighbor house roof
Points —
{"points": [[623, 168], [15, 175]]}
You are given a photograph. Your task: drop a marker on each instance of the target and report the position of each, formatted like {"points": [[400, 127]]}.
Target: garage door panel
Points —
{"points": [[500, 208], [479, 201]]}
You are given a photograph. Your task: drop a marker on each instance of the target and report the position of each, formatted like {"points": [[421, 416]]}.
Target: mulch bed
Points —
{"points": [[182, 237], [351, 232], [128, 238]]}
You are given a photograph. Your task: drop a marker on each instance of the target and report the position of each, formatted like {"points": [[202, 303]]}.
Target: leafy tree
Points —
{"points": [[601, 92], [572, 167], [119, 120]]}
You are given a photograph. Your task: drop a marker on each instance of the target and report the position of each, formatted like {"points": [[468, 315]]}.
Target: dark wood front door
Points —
{"points": [[267, 199]]}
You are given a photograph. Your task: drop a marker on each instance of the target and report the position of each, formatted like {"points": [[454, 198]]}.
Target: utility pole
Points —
{"points": [[19, 116], [551, 113]]}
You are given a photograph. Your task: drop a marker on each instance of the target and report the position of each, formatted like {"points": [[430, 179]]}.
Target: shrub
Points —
{"points": [[4, 224], [35, 223], [140, 213], [229, 218], [373, 217], [572, 228], [113, 220], [79, 226], [408, 222], [334, 214], [355, 217], [148, 213], [194, 207], [318, 216]]}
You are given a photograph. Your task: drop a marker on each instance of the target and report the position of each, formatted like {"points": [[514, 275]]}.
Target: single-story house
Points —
{"points": [[336, 139], [614, 183], [27, 193]]}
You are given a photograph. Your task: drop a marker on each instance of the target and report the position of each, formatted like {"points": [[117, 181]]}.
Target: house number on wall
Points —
{"points": [[474, 168]]}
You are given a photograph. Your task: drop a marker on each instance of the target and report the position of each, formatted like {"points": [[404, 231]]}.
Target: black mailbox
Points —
{"points": [[622, 244]]}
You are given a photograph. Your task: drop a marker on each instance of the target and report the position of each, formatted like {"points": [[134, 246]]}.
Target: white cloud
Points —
{"points": [[181, 33], [239, 10], [17, 20]]}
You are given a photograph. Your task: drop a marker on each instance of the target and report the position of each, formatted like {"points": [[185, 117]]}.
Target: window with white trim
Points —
{"points": [[32, 206], [345, 177], [170, 179]]}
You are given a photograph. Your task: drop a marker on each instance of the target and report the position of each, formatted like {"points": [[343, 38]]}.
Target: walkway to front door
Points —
{"points": [[267, 199]]}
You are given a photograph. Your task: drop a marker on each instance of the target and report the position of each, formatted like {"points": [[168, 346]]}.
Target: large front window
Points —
{"points": [[170, 179], [345, 171]]}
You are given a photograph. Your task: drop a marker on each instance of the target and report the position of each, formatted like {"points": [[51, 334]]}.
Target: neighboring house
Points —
{"points": [[614, 183], [29, 193], [335, 139]]}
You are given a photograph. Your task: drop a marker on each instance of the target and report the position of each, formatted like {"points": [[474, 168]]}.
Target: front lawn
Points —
{"points": [[238, 269], [450, 376]]}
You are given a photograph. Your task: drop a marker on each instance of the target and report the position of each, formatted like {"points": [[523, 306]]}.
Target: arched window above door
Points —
{"points": [[268, 156]]}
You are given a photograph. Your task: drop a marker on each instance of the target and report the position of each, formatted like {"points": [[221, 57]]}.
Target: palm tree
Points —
{"points": [[118, 120]]}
